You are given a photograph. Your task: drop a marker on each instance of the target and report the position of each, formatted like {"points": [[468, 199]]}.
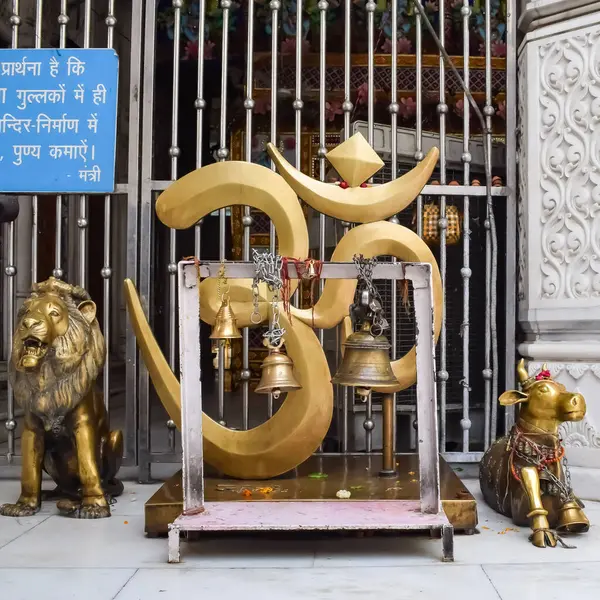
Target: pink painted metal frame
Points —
{"points": [[318, 515]]}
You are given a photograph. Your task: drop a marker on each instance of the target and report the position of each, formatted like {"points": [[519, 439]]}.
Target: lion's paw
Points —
{"points": [[20, 509], [75, 510], [94, 511]]}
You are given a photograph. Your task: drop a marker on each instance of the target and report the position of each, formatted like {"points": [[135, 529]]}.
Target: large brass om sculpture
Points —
{"points": [[299, 426], [58, 351], [523, 475]]}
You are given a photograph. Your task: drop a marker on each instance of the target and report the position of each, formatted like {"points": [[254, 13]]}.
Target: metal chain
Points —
{"points": [[567, 471], [222, 283], [365, 267], [268, 270], [565, 490]]}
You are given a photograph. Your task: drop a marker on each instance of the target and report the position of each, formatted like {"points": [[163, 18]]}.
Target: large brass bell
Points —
{"points": [[277, 374], [571, 519], [225, 323], [366, 363]]}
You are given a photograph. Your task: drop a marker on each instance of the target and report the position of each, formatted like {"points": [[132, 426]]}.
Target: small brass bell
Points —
{"points": [[277, 374], [225, 326], [571, 519], [366, 363]]}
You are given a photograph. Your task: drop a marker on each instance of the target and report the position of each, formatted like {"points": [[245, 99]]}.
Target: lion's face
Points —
{"points": [[44, 319], [58, 350]]}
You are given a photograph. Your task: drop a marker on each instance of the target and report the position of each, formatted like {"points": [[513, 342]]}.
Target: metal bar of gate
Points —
{"points": [[442, 373], [58, 272], [298, 105], [174, 152], [347, 108], [370, 7], [510, 256], [393, 108], [323, 6], [487, 372], [11, 271], [466, 270], [133, 213], [274, 5], [39, 7], [145, 233], [222, 155], [106, 271], [247, 219], [83, 219], [200, 105], [419, 111]]}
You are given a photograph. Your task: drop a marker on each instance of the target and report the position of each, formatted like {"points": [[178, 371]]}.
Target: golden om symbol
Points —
{"points": [[299, 426]]}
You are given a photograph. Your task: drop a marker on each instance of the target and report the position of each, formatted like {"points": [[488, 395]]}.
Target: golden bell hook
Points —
{"points": [[571, 519], [366, 363], [225, 324], [277, 374]]}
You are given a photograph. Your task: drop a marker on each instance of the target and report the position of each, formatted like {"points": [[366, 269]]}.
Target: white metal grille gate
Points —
{"points": [[174, 119], [52, 234]]}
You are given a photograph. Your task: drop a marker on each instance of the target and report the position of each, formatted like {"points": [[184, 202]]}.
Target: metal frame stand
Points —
{"points": [[319, 515]]}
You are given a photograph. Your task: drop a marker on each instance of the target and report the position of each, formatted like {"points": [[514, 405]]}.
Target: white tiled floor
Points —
{"points": [[50, 557]]}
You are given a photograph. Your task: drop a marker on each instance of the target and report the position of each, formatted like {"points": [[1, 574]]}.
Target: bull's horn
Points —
{"points": [[522, 373]]}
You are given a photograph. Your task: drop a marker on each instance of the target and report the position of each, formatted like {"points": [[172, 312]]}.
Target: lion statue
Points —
{"points": [[57, 353]]}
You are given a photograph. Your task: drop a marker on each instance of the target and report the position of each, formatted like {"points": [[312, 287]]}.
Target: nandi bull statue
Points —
{"points": [[524, 475]]}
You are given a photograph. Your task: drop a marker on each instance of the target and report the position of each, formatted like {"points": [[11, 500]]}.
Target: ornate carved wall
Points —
{"points": [[559, 211]]}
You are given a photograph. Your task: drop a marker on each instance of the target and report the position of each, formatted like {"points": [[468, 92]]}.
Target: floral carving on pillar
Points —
{"points": [[569, 71]]}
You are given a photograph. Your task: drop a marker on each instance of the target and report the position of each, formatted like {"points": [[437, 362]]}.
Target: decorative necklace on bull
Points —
{"points": [[542, 456]]}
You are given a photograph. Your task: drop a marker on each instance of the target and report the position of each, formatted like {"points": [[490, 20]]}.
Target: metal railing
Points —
{"points": [[146, 253], [63, 26]]}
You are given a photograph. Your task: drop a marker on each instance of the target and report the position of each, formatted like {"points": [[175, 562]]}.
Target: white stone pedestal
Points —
{"points": [[559, 212]]}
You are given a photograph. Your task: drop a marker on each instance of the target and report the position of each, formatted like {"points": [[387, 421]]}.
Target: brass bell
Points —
{"points": [[571, 519], [366, 363], [225, 326], [277, 374]]}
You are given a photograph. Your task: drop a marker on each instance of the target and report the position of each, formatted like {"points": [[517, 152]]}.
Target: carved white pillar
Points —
{"points": [[559, 212]]}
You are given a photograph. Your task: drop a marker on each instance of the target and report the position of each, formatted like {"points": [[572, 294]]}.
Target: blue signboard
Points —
{"points": [[58, 120]]}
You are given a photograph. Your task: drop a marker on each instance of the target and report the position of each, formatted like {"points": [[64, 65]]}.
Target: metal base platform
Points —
{"points": [[320, 515], [357, 474]]}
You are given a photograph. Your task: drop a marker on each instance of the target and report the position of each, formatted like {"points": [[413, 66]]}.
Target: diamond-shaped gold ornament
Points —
{"points": [[355, 160]]}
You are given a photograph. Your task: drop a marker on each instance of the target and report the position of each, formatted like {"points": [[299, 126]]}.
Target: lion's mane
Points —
{"points": [[65, 374]]}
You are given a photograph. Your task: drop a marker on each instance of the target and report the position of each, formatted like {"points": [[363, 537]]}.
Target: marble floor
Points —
{"points": [[52, 558]]}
